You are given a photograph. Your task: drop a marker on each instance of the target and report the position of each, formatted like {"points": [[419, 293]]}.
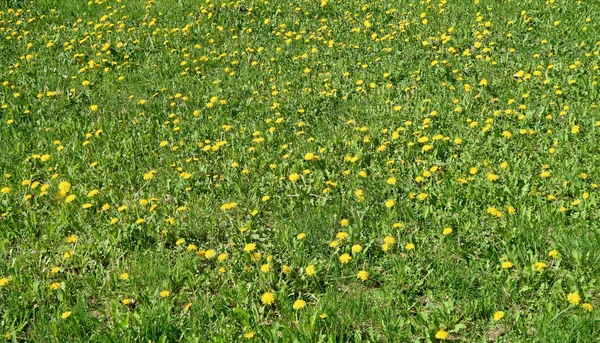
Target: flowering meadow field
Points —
{"points": [[299, 171]]}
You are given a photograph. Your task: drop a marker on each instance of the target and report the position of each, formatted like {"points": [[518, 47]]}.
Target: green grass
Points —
{"points": [[161, 138]]}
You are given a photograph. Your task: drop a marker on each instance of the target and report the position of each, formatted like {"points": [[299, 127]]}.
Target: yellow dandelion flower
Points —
{"points": [[209, 254], [268, 298], [286, 269], [441, 335], [345, 258], [310, 270], [64, 187], [574, 298], [341, 235], [250, 247], [71, 239], [492, 177], [299, 304]]}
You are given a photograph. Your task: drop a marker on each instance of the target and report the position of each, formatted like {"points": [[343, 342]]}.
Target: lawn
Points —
{"points": [[299, 171]]}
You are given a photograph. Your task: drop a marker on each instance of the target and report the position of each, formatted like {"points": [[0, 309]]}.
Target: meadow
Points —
{"points": [[299, 171]]}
